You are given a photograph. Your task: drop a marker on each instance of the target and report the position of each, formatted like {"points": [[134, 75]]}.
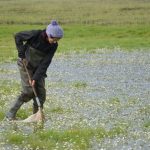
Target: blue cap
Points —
{"points": [[54, 30]]}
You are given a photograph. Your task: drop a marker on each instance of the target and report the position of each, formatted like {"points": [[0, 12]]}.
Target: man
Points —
{"points": [[36, 49]]}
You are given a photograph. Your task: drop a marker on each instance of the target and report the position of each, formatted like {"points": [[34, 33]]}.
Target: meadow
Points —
{"points": [[88, 25], [94, 101], [98, 83]]}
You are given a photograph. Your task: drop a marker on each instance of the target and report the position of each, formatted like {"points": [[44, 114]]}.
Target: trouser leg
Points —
{"points": [[11, 115], [41, 93], [26, 94]]}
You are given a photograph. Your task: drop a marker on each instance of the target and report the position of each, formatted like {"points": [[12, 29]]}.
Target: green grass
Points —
{"points": [[2, 114], [79, 84], [82, 38], [115, 102], [75, 11], [147, 124], [145, 110], [16, 138], [6, 87], [7, 93], [87, 24], [24, 113], [57, 110], [76, 138]]}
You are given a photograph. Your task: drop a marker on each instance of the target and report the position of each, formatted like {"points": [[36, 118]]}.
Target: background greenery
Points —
{"points": [[75, 11], [87, 24]]}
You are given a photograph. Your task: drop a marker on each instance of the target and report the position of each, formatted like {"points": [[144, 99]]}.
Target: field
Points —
{"points": [[99, 80], [87, 24]]}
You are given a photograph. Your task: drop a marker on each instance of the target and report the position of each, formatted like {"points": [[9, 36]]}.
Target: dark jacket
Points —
{"points": [[33, 46]]}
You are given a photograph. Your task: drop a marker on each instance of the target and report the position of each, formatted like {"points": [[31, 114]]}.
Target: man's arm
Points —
{"points": [[21, 38]]}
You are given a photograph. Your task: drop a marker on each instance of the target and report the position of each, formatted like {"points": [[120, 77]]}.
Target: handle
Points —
{"points": [[33, 88]]}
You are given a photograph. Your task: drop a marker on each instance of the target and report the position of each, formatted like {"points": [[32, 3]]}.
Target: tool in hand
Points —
{"points": [[39, 116]]}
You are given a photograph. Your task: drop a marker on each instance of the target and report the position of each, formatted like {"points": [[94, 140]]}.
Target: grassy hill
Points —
{"points": [[75, 11], [88, 24]]}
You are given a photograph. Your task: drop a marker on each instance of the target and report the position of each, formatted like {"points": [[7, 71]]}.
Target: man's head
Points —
{"points": [[54, 32]]}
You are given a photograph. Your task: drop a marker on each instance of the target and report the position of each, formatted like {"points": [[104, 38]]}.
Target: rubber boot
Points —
{"points": [[11, 115]]}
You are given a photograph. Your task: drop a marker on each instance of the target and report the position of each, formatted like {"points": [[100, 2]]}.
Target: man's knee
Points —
{"points": [[25, 97]]}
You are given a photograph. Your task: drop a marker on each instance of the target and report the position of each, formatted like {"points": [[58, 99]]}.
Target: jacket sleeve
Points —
{"points": [[41, 70], [21, 38]]}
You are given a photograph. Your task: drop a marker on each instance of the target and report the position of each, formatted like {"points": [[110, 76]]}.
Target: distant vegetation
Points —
{"points": [[88, 24], [75, 11]]}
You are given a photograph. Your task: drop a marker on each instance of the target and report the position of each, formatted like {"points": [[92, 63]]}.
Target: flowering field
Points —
{"points": [[94, 101], [98, 84]]}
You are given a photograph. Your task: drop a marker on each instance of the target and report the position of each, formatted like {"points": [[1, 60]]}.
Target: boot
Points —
{"points": [[11, 115]]}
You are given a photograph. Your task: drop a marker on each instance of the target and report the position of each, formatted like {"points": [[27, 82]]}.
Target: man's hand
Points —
{"points": [[24, 61], [32, 82]]}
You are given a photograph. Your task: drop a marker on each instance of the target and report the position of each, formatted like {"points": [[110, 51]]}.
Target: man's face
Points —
{"points": [[53, 40]]}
